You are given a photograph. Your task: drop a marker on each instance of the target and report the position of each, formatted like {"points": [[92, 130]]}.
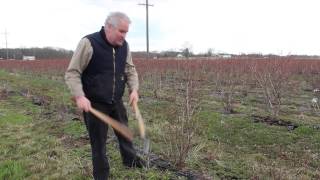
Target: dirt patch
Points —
{"points": [[41, 100], [3, 94], [70, 142], [274, 122]]}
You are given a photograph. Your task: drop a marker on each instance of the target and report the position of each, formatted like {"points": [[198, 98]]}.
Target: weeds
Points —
{"points": [[184, 121]]}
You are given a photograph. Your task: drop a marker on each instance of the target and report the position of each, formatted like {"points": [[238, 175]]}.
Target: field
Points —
{"points": [[207, 119]]}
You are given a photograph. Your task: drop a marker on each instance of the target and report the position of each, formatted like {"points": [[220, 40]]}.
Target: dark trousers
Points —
{"points": [[98, 136]]}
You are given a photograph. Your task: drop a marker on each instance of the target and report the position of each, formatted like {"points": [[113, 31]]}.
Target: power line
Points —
{"points": [[147, 24]]}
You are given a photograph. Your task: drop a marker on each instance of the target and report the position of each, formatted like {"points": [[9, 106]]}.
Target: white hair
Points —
{"points": [[115, 17]]}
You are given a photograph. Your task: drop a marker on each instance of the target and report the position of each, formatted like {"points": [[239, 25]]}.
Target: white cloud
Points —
{"points": [[266, 26]]}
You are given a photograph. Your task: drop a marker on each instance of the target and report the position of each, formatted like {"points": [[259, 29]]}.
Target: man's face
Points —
{"points": [[116, 35]]}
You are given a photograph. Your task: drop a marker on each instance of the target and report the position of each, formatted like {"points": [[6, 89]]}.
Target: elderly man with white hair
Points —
{"points": [[100, 68]]}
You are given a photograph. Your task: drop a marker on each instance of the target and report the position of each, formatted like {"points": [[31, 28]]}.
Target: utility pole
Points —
{"points": [[147, 24], [6, 39]]}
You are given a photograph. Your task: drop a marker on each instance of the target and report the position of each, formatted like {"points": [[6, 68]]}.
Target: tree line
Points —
{"points": [[38, 53], [60, 53]]}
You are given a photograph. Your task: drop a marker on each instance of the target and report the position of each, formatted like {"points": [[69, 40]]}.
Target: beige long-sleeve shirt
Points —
{"points": [[80, 61]]}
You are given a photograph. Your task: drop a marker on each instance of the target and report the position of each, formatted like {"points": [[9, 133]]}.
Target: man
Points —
{"points": [[98, 71]]}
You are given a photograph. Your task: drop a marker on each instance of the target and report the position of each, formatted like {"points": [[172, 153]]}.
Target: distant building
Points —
{"points": [[28, 58], [226, 56], [180, 56]]}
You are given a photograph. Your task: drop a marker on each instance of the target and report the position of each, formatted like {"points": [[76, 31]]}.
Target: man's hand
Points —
{"points": [[133, 97], [83, 103]]}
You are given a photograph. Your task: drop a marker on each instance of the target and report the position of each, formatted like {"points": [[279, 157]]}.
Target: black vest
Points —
{"points": [[104, 79]]}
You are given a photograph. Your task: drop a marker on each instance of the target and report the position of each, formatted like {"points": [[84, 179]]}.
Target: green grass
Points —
{"points": [[27, 148], [75, 129], [14, 170], [245, 143], [36, 144]]}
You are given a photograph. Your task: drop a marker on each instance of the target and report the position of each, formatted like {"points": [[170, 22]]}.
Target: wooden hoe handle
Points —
{"points": [[122, 129], [140, 120]]}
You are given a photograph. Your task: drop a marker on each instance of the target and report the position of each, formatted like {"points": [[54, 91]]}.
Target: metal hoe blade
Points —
{"points": [[146, 141], [146, 146]]}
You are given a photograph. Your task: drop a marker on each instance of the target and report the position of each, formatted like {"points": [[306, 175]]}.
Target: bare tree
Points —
{"points": [[179, 134], [272, 78], [186, 49], [229, 79]]}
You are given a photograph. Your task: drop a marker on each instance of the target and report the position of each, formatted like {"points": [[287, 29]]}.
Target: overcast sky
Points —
{"points": [[229, 26]]}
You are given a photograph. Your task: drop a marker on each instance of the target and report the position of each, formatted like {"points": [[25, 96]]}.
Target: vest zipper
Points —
{"points": [[114, 73]]}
